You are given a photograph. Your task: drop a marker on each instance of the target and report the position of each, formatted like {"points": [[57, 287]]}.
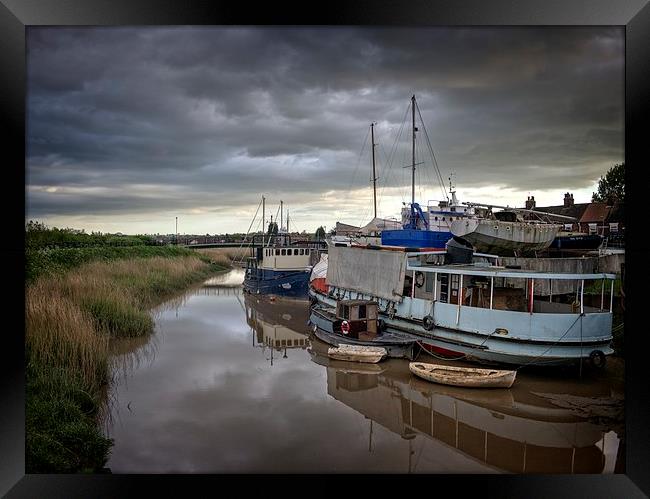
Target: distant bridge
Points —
{"points": [[216, 245]]}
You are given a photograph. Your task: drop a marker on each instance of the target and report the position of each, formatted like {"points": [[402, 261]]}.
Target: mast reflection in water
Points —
{"points": [[232, 383]]}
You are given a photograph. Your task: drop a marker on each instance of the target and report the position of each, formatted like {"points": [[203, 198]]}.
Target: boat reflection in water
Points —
{"points": [[519, 430], [278, 325]]}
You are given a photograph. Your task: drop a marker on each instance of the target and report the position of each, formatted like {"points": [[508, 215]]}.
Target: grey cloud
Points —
{"points": [[237, 111]]}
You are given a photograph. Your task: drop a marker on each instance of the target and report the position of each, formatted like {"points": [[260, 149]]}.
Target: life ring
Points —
{"points": [[427, 322], [419, 279], [345, 327], [598, 359]]}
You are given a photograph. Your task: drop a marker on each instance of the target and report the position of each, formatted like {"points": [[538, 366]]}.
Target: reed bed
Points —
{"points": [[225, 256], [70, 318]]}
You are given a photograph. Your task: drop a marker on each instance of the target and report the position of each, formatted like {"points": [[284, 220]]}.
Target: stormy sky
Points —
{"points": [[129, 128]]}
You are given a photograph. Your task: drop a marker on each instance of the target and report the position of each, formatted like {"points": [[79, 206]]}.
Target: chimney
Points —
{"points": [[530, 203], [568, 199]]}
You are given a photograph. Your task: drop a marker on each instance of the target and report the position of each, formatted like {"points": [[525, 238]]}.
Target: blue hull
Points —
{"points": [[415, 238], [289, 283]]}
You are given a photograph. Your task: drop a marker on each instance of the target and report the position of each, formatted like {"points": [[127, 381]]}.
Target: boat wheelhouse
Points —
{"points": [[479, 311], [280, 267], [357, 323]]}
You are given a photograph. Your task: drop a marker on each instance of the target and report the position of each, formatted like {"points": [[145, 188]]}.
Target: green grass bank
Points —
{"points": [[77, 299]]}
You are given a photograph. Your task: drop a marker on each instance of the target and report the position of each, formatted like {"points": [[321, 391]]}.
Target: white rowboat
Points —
{"points": [[357, 353], [463, 376]]}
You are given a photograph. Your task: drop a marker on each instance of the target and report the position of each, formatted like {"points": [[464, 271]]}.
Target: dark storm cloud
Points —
{"points": [[217, 116]]}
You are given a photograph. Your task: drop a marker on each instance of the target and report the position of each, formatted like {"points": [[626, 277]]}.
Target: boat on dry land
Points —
{"points": [[463, 376], [357, 353]]}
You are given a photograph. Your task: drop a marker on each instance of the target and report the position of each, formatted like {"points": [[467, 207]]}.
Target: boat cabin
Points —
{"points": [[357, 318]]}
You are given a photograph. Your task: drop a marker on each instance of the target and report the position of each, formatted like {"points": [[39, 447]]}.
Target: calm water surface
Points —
{"points": [[232, 383]]}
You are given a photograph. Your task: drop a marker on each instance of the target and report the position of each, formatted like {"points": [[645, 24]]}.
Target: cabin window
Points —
{"points": [[283, 252], [345, 312], [277, 252], [277, 343], [362, 311], [295, 251], [444, 287], [428, 287], [443, 219], [455, 281], [435, 218], [302, 251], [284, 343]]}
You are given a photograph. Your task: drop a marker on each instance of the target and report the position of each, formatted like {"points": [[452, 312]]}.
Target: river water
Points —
{"points": [[232, 383]]}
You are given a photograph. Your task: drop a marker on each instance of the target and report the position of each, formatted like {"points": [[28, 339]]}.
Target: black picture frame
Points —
{"points": [[16, 15]]}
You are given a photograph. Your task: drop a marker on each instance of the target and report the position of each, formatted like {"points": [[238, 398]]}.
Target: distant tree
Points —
{"points": [[320, 233], [611, 187]]}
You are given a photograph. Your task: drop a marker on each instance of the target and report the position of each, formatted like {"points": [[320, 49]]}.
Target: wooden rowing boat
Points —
{"points": [[463, 376], [357, 353]]}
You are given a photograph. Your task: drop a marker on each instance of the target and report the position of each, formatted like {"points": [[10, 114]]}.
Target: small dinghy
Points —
{"points": [[357, 353], [463, 376]]}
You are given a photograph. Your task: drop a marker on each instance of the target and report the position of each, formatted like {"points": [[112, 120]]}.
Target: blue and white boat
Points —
{"points": [[429, 228], [280, 268]]}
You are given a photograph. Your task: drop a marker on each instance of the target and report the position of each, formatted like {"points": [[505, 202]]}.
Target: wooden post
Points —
{"points": [[582, 296], [611, 297], [530, 299], [602, 294], [550, 290]]}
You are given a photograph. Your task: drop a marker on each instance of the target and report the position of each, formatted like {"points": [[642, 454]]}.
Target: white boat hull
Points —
{"points": [[357, 353], [495, 236], [481, 345]]}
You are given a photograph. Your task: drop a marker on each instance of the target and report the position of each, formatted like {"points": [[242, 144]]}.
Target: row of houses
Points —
{"points": [[591, 218]]}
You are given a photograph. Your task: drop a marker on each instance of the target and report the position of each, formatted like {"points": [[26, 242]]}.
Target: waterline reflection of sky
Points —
{"points": [[212, 401]]}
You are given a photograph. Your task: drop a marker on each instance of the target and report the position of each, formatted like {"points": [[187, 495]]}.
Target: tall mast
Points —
{"points": [[413, 169], [263, 217], [280, 228], [374, 176], [288, 221]]}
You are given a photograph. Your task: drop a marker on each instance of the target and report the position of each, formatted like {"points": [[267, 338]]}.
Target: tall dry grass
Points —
{"points": [[70, 319], [61, 335], [225, 256]]}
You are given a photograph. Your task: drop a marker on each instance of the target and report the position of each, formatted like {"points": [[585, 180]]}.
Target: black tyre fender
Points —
{"points": [[597, 359], [427, 322], [419, 279]]}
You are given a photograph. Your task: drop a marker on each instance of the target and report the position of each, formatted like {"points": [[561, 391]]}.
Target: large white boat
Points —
{"points": [[477, 311], [505, 236]]}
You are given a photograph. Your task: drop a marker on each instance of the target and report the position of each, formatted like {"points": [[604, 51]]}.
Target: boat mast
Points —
{"points": [[280, 228], [413, 168], [374, 176], [263, 217]]}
